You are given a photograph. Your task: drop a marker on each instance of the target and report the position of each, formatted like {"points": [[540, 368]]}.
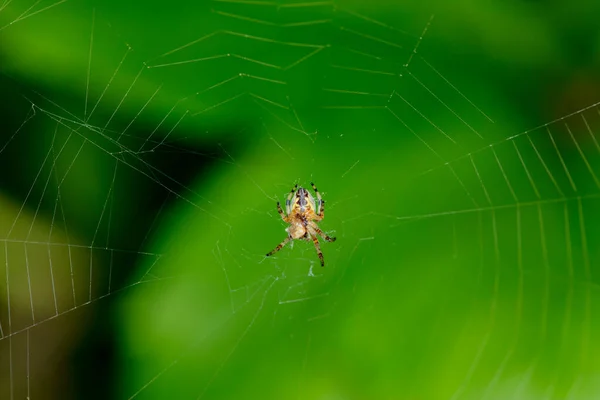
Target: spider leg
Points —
{"points": [[315, 229], [318, 247], [279, 246], [320, 203], [280, 211], [288, 201]]}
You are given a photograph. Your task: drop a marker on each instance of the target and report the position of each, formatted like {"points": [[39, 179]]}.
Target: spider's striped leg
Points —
{"points": [[279, 246], [318, 247], [280, 211], [316, 229], [320, 203], [288, 201]]}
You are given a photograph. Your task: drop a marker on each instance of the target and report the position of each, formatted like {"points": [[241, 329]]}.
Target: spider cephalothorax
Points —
{"points": [[303, 215]]}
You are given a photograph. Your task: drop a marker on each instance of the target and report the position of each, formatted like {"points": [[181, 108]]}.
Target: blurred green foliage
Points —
{"points": [[466, 260]]}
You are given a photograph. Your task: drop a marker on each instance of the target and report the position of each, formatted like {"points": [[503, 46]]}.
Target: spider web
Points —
{"points": [[143, 202]]}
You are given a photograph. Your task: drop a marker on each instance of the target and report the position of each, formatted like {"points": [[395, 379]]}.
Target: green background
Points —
{"points": [[147, 143]]}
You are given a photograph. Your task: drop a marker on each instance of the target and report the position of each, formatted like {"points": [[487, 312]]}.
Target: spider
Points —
{"points": [[303, 216]]}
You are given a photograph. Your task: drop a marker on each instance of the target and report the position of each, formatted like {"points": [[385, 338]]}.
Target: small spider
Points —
{"points": [[302, 217]]}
